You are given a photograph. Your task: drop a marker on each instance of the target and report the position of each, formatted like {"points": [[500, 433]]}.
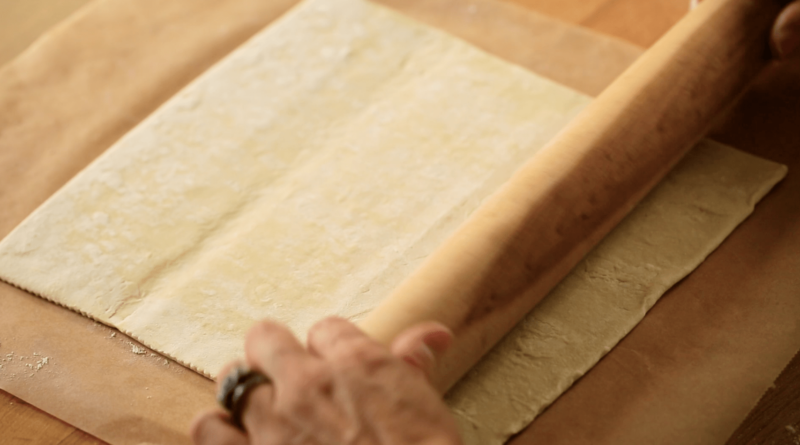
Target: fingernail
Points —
{"points": [[438, 341], [422, 356]]}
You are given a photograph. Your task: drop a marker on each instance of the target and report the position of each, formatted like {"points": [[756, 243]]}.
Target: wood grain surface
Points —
{"points": [[776, 418], [24, 423], [641, 23]]}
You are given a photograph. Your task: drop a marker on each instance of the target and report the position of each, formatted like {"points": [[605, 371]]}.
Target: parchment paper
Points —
{"points": [[52, 126]]}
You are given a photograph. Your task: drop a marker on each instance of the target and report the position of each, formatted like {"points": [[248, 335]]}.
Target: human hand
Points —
{"points": [[785, 34], [342, 388], [785, 38]]}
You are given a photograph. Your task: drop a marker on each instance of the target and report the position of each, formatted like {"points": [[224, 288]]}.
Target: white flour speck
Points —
{"points": [[137, 350]]}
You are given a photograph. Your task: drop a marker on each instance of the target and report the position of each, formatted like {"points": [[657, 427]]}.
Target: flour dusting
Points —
{"points": [[24, 365], [137, 349]]}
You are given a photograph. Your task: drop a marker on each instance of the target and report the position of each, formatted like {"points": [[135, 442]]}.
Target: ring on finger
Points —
{"points": [[235, 389]]}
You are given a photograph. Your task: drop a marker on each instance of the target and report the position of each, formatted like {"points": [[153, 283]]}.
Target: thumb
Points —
{"points": [[786, 32], [422, 344]]}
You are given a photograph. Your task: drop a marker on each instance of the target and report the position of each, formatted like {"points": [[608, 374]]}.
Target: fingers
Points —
{"points": [[213, 428], [323, 393], [226, 370], [786, 32], [422, 344], [336, 339], [298, 411], [419, 345], [260, 419], [272, 349], [277, 412]]}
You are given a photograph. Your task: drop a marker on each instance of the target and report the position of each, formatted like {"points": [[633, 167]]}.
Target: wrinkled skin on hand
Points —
{"points": [[341, 388]]}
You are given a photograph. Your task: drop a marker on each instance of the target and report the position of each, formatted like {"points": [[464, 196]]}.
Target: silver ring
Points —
{"points": [[235, 389]]}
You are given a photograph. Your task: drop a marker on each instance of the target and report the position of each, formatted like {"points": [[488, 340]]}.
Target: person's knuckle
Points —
{"points": [[276, 331], [318, 379], [328, 325], [262, 330], [262, 327], [310, 379], [367, 356], [305, 389], [297, 403]]}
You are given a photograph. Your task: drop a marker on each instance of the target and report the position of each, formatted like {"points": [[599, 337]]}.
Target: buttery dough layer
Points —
{"points": [[661, 241], [302, 176], [307, 173]]}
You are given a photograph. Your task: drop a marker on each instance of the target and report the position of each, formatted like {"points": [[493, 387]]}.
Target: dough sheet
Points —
{"points": [[302, 176], [312, 169]]}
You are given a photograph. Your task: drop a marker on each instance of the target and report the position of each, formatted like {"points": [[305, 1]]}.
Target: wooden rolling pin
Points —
{"points": [[528, 235]]}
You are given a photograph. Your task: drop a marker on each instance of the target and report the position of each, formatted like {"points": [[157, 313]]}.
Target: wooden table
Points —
{"points": [[641, 23]]}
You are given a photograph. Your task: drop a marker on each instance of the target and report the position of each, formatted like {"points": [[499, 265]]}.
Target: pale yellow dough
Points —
{"points": [[661, 241], [307, 173]]}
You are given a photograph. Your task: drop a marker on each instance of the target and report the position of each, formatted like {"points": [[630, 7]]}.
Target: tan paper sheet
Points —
{"points": [[299, 187], [503, 30]]}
